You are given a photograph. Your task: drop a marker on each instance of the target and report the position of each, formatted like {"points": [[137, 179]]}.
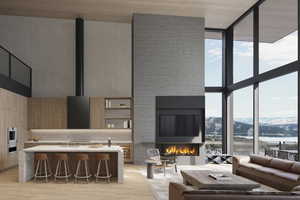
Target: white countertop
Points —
{"points": [[73, 148]]}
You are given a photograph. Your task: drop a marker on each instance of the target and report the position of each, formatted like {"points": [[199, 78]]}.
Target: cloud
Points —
{"points": [[215, 52]]}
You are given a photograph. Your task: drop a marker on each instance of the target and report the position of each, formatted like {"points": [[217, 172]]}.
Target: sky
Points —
{"points": [[278, 97]]}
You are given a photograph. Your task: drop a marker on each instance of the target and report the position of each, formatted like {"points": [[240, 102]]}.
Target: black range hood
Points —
{"points": [[79, 105], [78, 112]]}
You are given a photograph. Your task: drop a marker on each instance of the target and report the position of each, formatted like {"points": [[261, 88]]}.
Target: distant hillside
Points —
{"points": [[213, 126]]}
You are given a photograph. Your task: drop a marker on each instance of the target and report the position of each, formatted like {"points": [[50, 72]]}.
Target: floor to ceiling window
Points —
{"points": [[243, 49], [243, 121], [213, 99], [278, 134], [265, 99]]}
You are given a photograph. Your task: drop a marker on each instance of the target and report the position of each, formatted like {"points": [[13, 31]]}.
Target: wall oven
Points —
{"points": [[12, 139]]}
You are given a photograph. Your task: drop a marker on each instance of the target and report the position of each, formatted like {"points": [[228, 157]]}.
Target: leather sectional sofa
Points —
{"points": [[178, 191], [281, 174]]}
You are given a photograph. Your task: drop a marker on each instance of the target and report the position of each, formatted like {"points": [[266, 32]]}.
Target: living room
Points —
{"points": [[175, 100]]}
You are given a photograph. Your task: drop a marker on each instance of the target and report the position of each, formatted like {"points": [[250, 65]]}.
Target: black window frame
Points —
{"points": [[227, 73]]}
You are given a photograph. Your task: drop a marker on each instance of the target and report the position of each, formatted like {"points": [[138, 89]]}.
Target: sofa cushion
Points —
{"points": [[250, 165], [261, 160], [279, 173], [296, 168], [281, 164]]}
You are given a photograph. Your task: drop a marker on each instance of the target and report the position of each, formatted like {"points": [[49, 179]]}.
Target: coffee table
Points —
{"points": [[202, 180]]}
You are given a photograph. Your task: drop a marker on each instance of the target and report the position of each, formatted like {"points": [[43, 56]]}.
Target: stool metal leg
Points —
{"points": [[36, 170], [86, 171], [98, 170], [57, 169], [77, 170], [46, 171], [66, 171], [107, 171]]}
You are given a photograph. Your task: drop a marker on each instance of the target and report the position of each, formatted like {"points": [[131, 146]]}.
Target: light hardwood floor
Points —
{"points": [[135, 187]]}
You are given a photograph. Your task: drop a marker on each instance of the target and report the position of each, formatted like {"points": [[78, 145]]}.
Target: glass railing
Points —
{"points": [[14, 68]]}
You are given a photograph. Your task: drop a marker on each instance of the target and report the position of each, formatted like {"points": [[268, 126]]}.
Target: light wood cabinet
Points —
{"points": [[13, 113], [47, 113], [96, 112]]}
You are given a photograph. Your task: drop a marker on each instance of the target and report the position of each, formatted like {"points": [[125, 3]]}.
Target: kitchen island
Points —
{"points": [[26, 158]]}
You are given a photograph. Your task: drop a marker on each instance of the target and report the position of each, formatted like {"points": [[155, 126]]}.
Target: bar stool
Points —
{"points": [[42, 168], [62, 167], [82, 170], [103, 158]]}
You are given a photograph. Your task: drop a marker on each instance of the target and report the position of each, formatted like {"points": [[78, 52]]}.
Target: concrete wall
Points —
{"points": [[107, 59], [168, 60], [48, 46]]}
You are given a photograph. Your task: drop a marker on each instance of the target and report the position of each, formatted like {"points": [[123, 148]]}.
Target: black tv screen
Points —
{"points": [[179, 125]]}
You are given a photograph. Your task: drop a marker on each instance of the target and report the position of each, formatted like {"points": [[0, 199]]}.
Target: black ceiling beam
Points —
{"points": [[79, 82]]}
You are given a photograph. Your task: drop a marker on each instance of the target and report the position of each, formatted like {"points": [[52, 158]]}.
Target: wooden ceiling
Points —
{"points": [[218, 13]]}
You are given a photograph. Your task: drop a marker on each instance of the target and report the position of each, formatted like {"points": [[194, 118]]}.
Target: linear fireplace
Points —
{"points": [[179, 149], [180, 124]]}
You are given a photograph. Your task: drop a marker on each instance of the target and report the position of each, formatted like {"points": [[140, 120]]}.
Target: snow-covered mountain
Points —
{"points": [[271, 120]]}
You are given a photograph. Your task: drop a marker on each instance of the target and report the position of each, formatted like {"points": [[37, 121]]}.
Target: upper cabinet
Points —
{"points": [[47, 113], [51, 113]]}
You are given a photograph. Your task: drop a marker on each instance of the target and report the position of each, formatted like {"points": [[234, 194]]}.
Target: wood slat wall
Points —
{"points": [[47, 113], [97, 112], [13, 113]]}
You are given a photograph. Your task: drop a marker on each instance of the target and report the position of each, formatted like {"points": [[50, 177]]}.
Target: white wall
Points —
{"points": [[47, 45], [107, 59]]}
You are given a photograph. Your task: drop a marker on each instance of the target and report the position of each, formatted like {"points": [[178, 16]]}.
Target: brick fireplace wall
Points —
{"points": [[168, 60]]}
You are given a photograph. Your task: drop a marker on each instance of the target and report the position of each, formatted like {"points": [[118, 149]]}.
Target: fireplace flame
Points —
{"points": [[181, 150]]}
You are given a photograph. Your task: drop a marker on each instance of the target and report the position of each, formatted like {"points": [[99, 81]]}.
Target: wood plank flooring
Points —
{"points": [[135, 187]]}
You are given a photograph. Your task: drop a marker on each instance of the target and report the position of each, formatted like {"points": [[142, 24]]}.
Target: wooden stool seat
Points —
{"points": [[62, 167], [82, 156], [41, 156], [61, 156], [102, 156]]}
